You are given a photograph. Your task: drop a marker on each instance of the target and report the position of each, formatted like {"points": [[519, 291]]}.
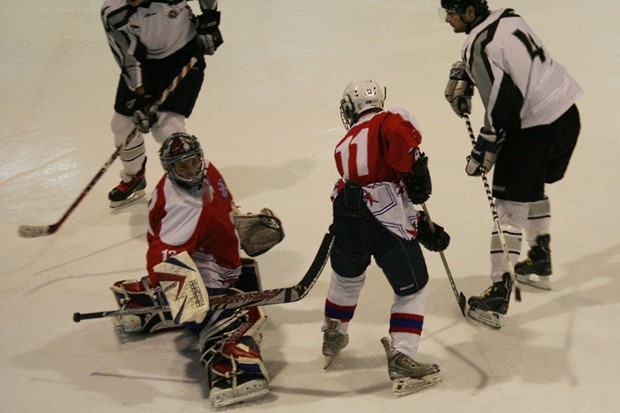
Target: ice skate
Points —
{"points": [[127, 192], [333, 341], [537, 263], [243, 388], [407, 375], [488, 307]]}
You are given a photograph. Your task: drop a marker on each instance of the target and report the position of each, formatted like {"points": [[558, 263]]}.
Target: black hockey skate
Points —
{"points": [[488, 307], [131, 191], [538, 262]]}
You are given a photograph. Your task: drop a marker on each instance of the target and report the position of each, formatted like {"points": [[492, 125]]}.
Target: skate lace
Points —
{"points": [[129, 186]]}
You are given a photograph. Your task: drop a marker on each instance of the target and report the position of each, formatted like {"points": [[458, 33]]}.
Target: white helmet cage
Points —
{"points": [[360, 97], [174, 153]]}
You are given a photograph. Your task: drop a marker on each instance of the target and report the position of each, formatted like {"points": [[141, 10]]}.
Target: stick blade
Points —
{"points": [[463, 303], [34, 231]]}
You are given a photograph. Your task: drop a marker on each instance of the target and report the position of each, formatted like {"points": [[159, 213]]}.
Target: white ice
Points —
{"points": [[268, 118]]}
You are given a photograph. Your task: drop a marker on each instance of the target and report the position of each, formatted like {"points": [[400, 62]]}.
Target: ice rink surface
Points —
{"points": [[268, 118]]}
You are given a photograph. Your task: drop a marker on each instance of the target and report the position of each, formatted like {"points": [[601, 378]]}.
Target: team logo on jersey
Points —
{"points": [[221, 186]]}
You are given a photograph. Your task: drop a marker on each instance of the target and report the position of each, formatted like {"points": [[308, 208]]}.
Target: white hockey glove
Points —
{"points": [[484, 153], [209, 35], [459, 89]]}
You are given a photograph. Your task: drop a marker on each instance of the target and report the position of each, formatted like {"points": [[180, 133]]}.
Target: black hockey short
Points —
{"points": [[536, 156], [358, 236], [157, 76]]}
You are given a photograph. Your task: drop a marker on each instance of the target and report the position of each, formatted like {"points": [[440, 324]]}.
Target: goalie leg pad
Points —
{"points": [[231, 355], [228, 327], [138, 294]]}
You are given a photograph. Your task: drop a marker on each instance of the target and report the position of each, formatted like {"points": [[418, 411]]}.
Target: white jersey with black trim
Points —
{"points": [[159, 28], [520, 84]]}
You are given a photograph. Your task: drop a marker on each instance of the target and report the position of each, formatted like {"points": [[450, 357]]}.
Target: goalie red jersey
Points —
{"points": [[203, 226]]}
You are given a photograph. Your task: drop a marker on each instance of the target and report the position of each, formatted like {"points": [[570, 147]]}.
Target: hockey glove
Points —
{"points": [[144, 117], [484, 153], [459, 90], [418, 184], [436, 239], [209, 37]]}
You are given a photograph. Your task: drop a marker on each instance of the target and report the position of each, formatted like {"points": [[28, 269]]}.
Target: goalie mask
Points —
{"points": [[358, 98], [183, 161]]}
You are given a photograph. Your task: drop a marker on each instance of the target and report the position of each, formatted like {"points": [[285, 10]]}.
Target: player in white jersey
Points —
{"points": [[383, 173], [152, 40], [191, 210], [530, 130]]}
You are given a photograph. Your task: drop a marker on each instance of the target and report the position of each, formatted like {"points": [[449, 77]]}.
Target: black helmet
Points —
{"points": [[459, 6]]}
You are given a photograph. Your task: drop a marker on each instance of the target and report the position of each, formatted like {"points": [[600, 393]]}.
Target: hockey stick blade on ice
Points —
{"points": [[255, 298], [34, 231]]}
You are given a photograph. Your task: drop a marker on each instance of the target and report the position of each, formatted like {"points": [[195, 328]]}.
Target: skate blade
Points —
{"points": [[247, 392], [542, 282], [327, 361], [408, 385], [131, 198], [488, 318]]}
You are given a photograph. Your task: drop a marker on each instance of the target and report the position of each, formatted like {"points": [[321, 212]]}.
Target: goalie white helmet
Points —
{"points": [[183, 161], [358, 98]]}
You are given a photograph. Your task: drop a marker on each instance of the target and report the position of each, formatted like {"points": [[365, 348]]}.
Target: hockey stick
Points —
{"points": [[498, 227], [33, 231], [255, 298], [460, 297]]}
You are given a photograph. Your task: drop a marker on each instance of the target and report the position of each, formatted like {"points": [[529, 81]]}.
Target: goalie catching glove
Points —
{"points": [[459, 89], [484, 153], [258, 233]]}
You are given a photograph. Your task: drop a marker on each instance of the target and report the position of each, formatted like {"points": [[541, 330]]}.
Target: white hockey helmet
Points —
{"points": [[360, 97], [183, 161]]}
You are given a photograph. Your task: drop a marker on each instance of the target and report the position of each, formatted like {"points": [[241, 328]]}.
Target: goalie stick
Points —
{"points": [[33, 231], [255, 298]]}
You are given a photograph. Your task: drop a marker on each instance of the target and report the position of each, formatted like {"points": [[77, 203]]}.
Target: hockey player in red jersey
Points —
{"points": [[531, 125], [383, 174], [152, 41], [191, 210]]}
